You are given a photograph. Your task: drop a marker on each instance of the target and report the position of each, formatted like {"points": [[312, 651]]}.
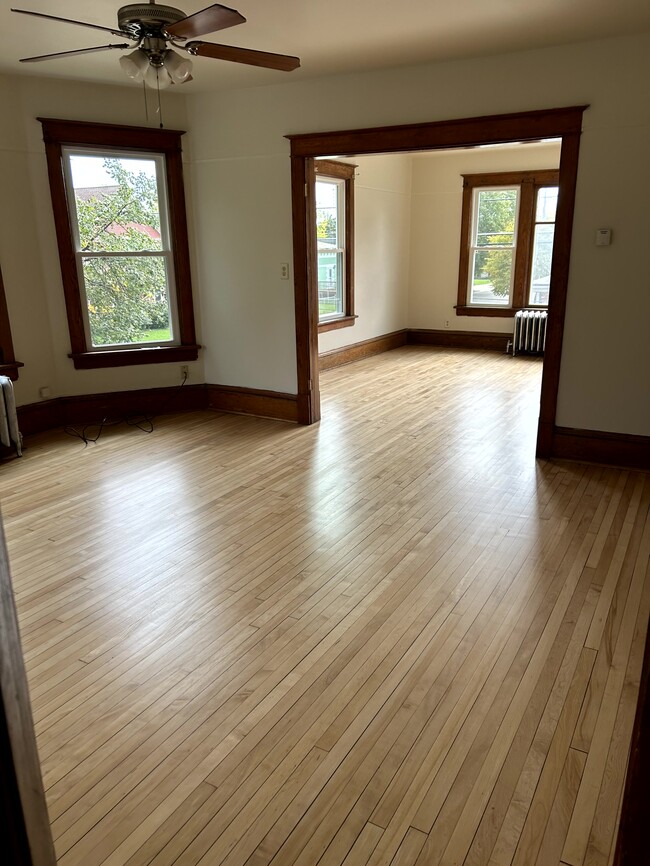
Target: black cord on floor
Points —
{"points": [[142, 422]]}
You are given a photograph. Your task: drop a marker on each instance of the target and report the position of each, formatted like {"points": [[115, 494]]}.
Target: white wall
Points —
{"points": [[28, 251], [382, 209], [241, 164], [240, 198], [437, 197]]}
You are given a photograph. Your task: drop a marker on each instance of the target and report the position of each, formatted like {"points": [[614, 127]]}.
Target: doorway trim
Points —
{"points": [[563, 123]]}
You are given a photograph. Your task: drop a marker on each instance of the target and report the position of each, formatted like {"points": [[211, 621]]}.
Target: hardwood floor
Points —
{"points": [[391, 638]]}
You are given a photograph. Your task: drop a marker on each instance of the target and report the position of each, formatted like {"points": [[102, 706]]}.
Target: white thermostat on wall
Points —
{"points": [[603, 237]]}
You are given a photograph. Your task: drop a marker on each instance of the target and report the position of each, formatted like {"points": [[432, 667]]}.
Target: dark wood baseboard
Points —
{"points": [[594, 446], [93, 408], [250, 401], [492, 340], [363, 349]]}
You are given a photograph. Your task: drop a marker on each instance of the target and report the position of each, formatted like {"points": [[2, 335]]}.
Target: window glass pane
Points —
{"points": [[491, 277], [128, 299], [496, 215], [330, 282], [546, 204], [540, 277], [117, 203], [327, 221]]}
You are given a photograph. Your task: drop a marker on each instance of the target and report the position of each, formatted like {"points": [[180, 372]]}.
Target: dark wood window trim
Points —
{"points": [[59, 133], [529, 182], [344, 171], [8, 363]]}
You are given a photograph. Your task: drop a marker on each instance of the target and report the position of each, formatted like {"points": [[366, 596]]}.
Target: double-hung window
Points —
{"points": [[334, 243], [507, 231], [118, 202]]}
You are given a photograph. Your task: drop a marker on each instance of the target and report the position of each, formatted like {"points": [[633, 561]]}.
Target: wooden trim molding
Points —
{"points": [[27, 838], [632, 841], [528, 182], [57, 134], [131, 357], [463, 132], [8, 363], [93, 408], [336, 324], [564, 123], [491, 340], [362, 349], [251, 401], [594, 446], [343, 171]]}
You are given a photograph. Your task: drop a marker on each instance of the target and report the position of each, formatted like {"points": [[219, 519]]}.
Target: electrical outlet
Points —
{"points": [[45, 391], [185, 372], [446, 323], [284, 270]]}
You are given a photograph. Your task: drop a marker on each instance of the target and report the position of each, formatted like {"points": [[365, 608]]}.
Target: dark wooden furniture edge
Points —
{"points": [[595, 446], [27, 838], [632, 841]]}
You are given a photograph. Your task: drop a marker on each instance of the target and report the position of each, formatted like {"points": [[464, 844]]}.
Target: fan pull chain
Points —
{"points": [[159, 104], [146, 106]]}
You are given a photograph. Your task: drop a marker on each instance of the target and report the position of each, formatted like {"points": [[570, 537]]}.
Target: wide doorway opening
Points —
{"points": [[307, 151]]}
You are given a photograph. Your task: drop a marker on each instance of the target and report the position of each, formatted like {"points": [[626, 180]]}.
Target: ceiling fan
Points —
{"points": [[154, 29]]}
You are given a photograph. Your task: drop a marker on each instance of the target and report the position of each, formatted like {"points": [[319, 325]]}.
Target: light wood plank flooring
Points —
{"points": [[391, 638]]}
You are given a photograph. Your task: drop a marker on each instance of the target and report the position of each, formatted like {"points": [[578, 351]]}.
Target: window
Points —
{"points": [[507, 242], [334, 243], [117, 195]]}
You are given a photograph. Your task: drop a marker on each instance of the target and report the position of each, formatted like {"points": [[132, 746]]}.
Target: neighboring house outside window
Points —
{"points": [[118, 201], [507, 231], [334, 198]]}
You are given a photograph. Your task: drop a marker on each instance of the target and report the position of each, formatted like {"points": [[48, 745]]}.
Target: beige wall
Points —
{"points": [[238, 183], [28, 251], [382, 205], [604, 373], [435, 229]]}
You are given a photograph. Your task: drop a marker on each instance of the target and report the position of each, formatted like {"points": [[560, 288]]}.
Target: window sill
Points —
{"points": [[128, 357], [335, 324], [503, 312], [11, 369]]}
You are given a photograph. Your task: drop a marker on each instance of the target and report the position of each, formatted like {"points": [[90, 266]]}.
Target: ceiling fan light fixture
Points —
{"points": [[179, 68], [135, 64], [157, 77]]}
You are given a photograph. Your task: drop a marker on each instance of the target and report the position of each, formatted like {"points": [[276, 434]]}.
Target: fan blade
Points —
{"points": [[71, 53], [216, 17], [284, 62], [71, 21]]}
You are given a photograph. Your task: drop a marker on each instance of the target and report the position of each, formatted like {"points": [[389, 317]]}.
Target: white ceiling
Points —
{"points": [[330, 37]]}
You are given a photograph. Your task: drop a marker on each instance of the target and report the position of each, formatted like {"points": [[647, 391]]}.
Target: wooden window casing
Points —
{"points": [[529, 182], [167, 142], [8, 363], [344, 171]]}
